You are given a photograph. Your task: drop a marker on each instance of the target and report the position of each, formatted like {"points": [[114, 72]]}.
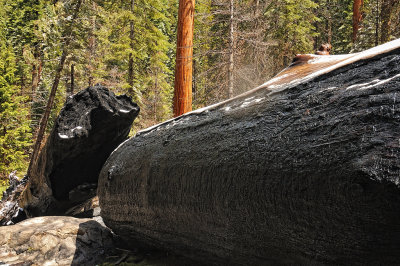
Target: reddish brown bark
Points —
{"points": [[184, 58], [357, 17]]}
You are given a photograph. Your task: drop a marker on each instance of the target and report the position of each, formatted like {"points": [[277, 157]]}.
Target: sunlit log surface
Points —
{"points": [[295, 172]]}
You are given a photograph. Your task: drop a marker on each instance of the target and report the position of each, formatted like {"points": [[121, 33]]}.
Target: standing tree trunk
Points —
{"points": [[357, 17], [256, 25], [71, 89], [92, 50], [184, 58], [377, 23], [131, 36], [45, 118], [329, 22], [231, 48], [194, 81], [36, 71], [20, 71], [386, 18]]}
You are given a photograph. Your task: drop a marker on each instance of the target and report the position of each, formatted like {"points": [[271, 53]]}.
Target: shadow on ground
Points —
{"points": [[94, 247]]}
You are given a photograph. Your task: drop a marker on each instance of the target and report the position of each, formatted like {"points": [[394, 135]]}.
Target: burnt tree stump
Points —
{"points": [[90, 126]]}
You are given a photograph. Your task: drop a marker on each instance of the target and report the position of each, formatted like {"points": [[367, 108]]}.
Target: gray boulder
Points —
{"points": [[55, 240]]}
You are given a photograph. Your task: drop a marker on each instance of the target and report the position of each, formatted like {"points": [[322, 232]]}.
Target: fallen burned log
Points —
{"points": [[302, 170]]}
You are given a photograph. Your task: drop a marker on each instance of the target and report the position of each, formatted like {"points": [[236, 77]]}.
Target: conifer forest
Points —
{"points": [[129, 46]]}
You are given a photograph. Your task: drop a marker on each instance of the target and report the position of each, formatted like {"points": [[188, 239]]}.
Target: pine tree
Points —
{"points": [[334, 25], [265, 36], [294, 28], [21, 18], [14, 124], [151, 50]]}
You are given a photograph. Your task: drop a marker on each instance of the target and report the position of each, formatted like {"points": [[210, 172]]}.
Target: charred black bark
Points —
{"points": [[90, 126], [308, 174]]}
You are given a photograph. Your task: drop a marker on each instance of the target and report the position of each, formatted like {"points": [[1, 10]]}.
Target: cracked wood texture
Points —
{"points": [[306, 175]]}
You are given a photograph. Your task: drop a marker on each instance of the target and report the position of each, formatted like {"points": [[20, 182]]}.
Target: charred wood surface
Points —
{"points": [[90, 126], [302, 175]]}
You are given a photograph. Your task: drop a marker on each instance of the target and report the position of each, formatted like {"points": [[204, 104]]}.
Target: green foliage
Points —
{"points": [[20, 29], [202, 51], [294, 29], [366, 36], [15, 136], [267, 34], [153, 53], [101, 48], [335, 24], [21, 21], [2, 189]]}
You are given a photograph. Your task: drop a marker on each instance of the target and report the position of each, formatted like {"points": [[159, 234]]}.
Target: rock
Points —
{"points": [[90, 126], [303, 170], [54, 240]]}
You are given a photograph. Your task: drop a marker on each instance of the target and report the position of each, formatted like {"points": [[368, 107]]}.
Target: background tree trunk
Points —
{"points": [[37, 67], [329, 23], [184, 58], [92, 50], [231, 48], [71, 88], [386, 18], [357, 17], [132, 39]]}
